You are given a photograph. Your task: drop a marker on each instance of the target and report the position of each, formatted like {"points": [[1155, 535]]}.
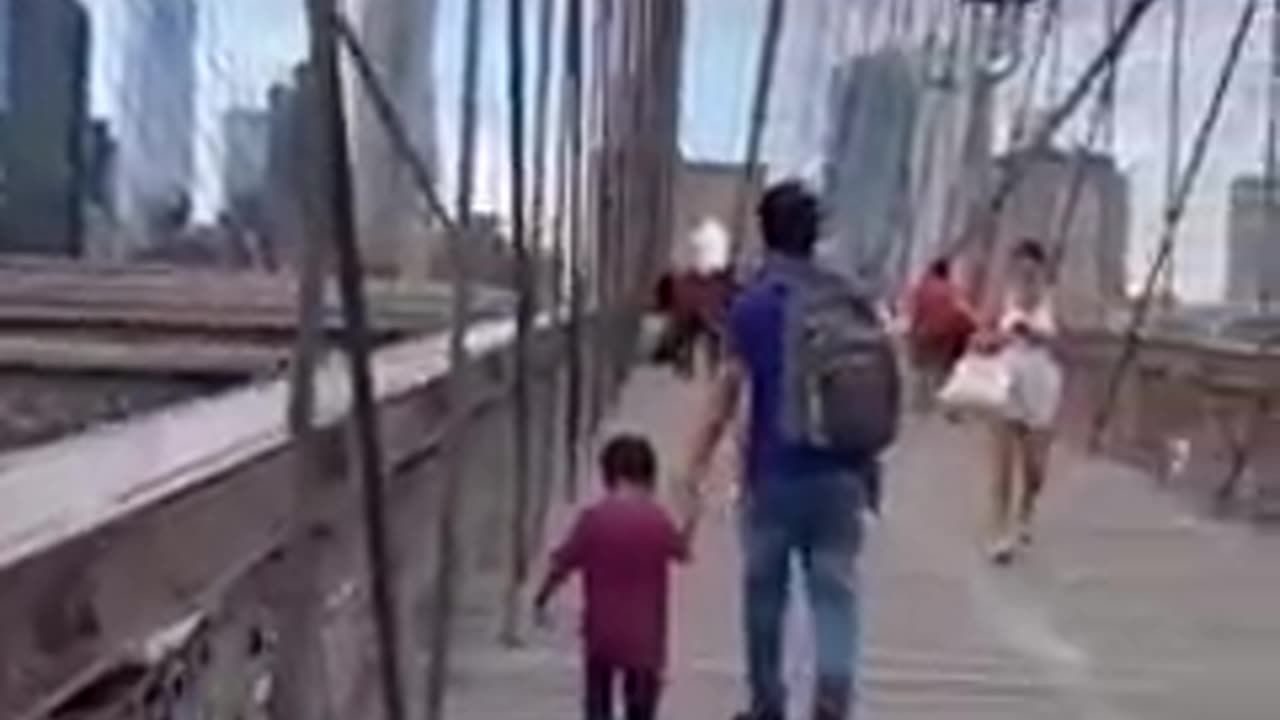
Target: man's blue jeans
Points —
{"points": [[817, 520]]}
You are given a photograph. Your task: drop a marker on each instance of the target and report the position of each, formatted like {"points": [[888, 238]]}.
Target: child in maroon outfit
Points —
{"points": [[624, 546]]}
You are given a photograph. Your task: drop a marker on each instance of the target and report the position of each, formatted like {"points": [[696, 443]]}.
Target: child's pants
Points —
{"points": [[641, 690]]}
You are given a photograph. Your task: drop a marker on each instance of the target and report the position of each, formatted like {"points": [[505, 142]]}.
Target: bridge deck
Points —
{"points": [[1129, 607]]}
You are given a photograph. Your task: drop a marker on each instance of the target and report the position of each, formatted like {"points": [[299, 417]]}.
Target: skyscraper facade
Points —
{"points": [[874, 112], [157, 119], [246, 135], [1253, 265], [45, 126]]}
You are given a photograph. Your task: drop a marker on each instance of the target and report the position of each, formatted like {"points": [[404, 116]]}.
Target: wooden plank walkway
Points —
{"points": [[1128, 608]]}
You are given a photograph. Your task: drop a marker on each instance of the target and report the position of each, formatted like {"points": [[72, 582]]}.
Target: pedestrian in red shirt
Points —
{"points": [[941, 326], [624, 547]]}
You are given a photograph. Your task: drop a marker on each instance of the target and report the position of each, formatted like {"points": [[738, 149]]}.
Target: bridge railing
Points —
{"points": [[1201, 415], [143, 571]]}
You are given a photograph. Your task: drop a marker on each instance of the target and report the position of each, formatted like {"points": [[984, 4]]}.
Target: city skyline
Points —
{"points": [[256, 41]]}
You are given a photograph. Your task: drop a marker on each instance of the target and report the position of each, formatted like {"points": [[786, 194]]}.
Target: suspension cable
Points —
{"points": [[1173, 161], [546, 243], [541, 113], [1271, 161], [524, 320], [572, 119], [1057, 54], [456, 457], [1173, 220], [1110, 85]]}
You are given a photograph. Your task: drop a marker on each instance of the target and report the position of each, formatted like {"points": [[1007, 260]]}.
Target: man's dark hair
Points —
{"points": [[629, 459], [1031, 250], [790, 216], [940, 268]]}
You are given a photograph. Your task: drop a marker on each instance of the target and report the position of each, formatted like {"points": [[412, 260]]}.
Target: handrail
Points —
{"points": [[47, 500]]}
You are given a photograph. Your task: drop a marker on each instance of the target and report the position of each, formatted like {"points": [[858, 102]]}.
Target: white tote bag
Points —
{"points": [[981, 383]]}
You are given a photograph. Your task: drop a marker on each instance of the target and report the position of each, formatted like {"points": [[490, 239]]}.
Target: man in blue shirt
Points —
{"points": [[797, 500]]}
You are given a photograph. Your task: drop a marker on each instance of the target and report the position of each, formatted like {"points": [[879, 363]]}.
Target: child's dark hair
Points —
{"points": [[629, 459]]}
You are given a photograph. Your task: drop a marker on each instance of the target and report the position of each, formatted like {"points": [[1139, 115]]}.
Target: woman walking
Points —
{"points": [[1024, 335]]}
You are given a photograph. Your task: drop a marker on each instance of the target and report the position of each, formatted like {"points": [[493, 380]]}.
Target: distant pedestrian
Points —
{"points": [[623, 546], [941, 326], [819, 368], [1024, 333]]}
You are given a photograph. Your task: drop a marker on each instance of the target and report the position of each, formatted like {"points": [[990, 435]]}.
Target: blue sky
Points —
{"points": [[247, 44]]}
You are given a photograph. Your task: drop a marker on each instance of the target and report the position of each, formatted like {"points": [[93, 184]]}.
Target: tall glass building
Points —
{"points": [[157, 119]]}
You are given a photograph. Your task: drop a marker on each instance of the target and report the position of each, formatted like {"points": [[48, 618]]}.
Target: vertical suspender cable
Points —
{"points": [[524, 318], [618, 129], [616, 21], [296, 696], [444, 585], [338, 182], [573, 120], [1271, 163], [545, 242], [541, 118], [1057, 53], [1173, 159], [774, 22], [1111, 84]]}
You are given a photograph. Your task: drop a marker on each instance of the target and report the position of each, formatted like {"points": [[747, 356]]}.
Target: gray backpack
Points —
{"points": [[841, 386]]}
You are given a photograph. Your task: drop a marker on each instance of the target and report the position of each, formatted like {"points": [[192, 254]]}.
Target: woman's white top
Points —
{"points": [[1037, 377]]}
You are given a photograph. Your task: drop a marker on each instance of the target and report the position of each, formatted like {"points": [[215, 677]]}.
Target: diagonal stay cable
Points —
{"points": [[1117, 44], [384, 108], [1173, 221]]}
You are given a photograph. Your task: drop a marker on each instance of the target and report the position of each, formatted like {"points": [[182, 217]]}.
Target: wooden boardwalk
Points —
{"points": [[1128, 608]]}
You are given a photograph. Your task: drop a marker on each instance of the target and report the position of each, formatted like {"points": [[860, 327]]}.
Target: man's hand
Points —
{"points": [[721, 406]]}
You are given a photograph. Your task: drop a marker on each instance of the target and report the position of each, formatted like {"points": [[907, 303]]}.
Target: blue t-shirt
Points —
{"points": [[756, 333]]}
